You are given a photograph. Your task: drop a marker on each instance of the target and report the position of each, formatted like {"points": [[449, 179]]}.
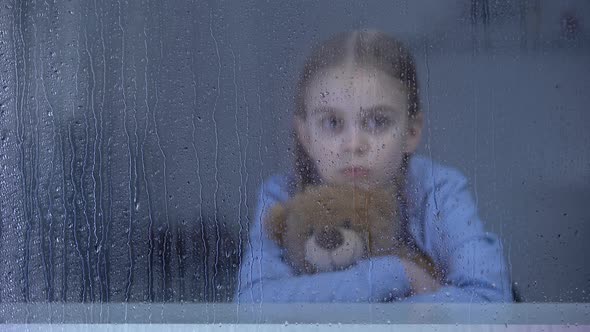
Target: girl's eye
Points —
{"points": [[331, 123], [376, 123]]}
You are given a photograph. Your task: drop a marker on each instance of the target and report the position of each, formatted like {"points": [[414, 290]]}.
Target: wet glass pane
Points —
{"points": [[145, 148]]}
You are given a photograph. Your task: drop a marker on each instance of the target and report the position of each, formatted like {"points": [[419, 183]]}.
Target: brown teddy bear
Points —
{"points": [[328, 228]]}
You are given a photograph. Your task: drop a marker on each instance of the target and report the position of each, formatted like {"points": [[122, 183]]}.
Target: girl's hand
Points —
{"points": [[420, 280]]}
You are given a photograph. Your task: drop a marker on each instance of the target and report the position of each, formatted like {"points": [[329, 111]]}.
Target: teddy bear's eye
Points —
{"points": [[347, 224]]}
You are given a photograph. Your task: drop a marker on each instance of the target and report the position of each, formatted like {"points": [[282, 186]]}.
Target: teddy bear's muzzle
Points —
{"points": [[333, 249]]}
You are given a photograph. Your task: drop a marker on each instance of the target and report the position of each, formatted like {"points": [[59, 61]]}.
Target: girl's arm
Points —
{"points": [[265, 277], [472, 258]]}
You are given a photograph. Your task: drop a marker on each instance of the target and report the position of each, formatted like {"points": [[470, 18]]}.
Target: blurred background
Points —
{"points": [[134, 135]]}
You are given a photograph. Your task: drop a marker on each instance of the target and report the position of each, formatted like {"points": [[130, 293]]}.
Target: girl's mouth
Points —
{"points": [[355, 172]]}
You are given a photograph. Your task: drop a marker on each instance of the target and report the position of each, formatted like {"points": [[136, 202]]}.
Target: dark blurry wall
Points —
{"points": [[128, 149]]}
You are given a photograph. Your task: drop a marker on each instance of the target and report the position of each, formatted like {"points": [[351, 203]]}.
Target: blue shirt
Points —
{"points": [[443, 220]]}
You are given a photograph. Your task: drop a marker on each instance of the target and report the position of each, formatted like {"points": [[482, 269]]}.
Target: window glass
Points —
{"points": [[143, 144]]}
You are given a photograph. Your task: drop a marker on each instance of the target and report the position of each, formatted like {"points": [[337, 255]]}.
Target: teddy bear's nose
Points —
{"points": [[329, 238]]}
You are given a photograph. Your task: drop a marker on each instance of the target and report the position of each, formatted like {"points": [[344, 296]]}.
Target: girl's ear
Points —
{"points": [[275, 224], [414, 133], [302, 132]]}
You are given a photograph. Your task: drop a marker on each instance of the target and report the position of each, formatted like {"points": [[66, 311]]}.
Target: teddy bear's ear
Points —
{"points": [[275, 223]]}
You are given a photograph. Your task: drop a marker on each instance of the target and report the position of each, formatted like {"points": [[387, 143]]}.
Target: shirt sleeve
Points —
{"points": [[265, 277], [454, 235]]}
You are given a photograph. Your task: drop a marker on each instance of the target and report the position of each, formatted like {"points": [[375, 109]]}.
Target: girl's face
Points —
{"points": [[357, 127]]}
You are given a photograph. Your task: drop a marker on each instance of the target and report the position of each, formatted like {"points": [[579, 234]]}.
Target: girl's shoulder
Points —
{"points": [[429, 180], [277, 186], [428, 174]]}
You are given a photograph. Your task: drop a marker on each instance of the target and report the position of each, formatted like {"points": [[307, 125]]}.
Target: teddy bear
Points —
{"points": [[331, 227]]}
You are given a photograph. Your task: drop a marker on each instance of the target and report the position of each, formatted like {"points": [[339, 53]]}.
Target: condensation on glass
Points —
{"points": [[134, 135]]}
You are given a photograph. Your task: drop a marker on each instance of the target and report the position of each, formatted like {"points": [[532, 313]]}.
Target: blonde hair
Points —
{"points": [[363, 48]]}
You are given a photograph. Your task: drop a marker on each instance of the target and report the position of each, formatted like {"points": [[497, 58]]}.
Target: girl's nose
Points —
{"points": [[355, 141]]}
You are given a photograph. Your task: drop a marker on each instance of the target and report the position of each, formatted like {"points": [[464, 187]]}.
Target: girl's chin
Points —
{"points": [[360, 183], [366, 183]]}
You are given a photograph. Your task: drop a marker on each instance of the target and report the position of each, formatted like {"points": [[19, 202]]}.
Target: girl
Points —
{"points": [[358, 120]]}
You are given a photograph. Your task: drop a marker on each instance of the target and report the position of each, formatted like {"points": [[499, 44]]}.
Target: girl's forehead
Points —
{"points": [[355, 88]]}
